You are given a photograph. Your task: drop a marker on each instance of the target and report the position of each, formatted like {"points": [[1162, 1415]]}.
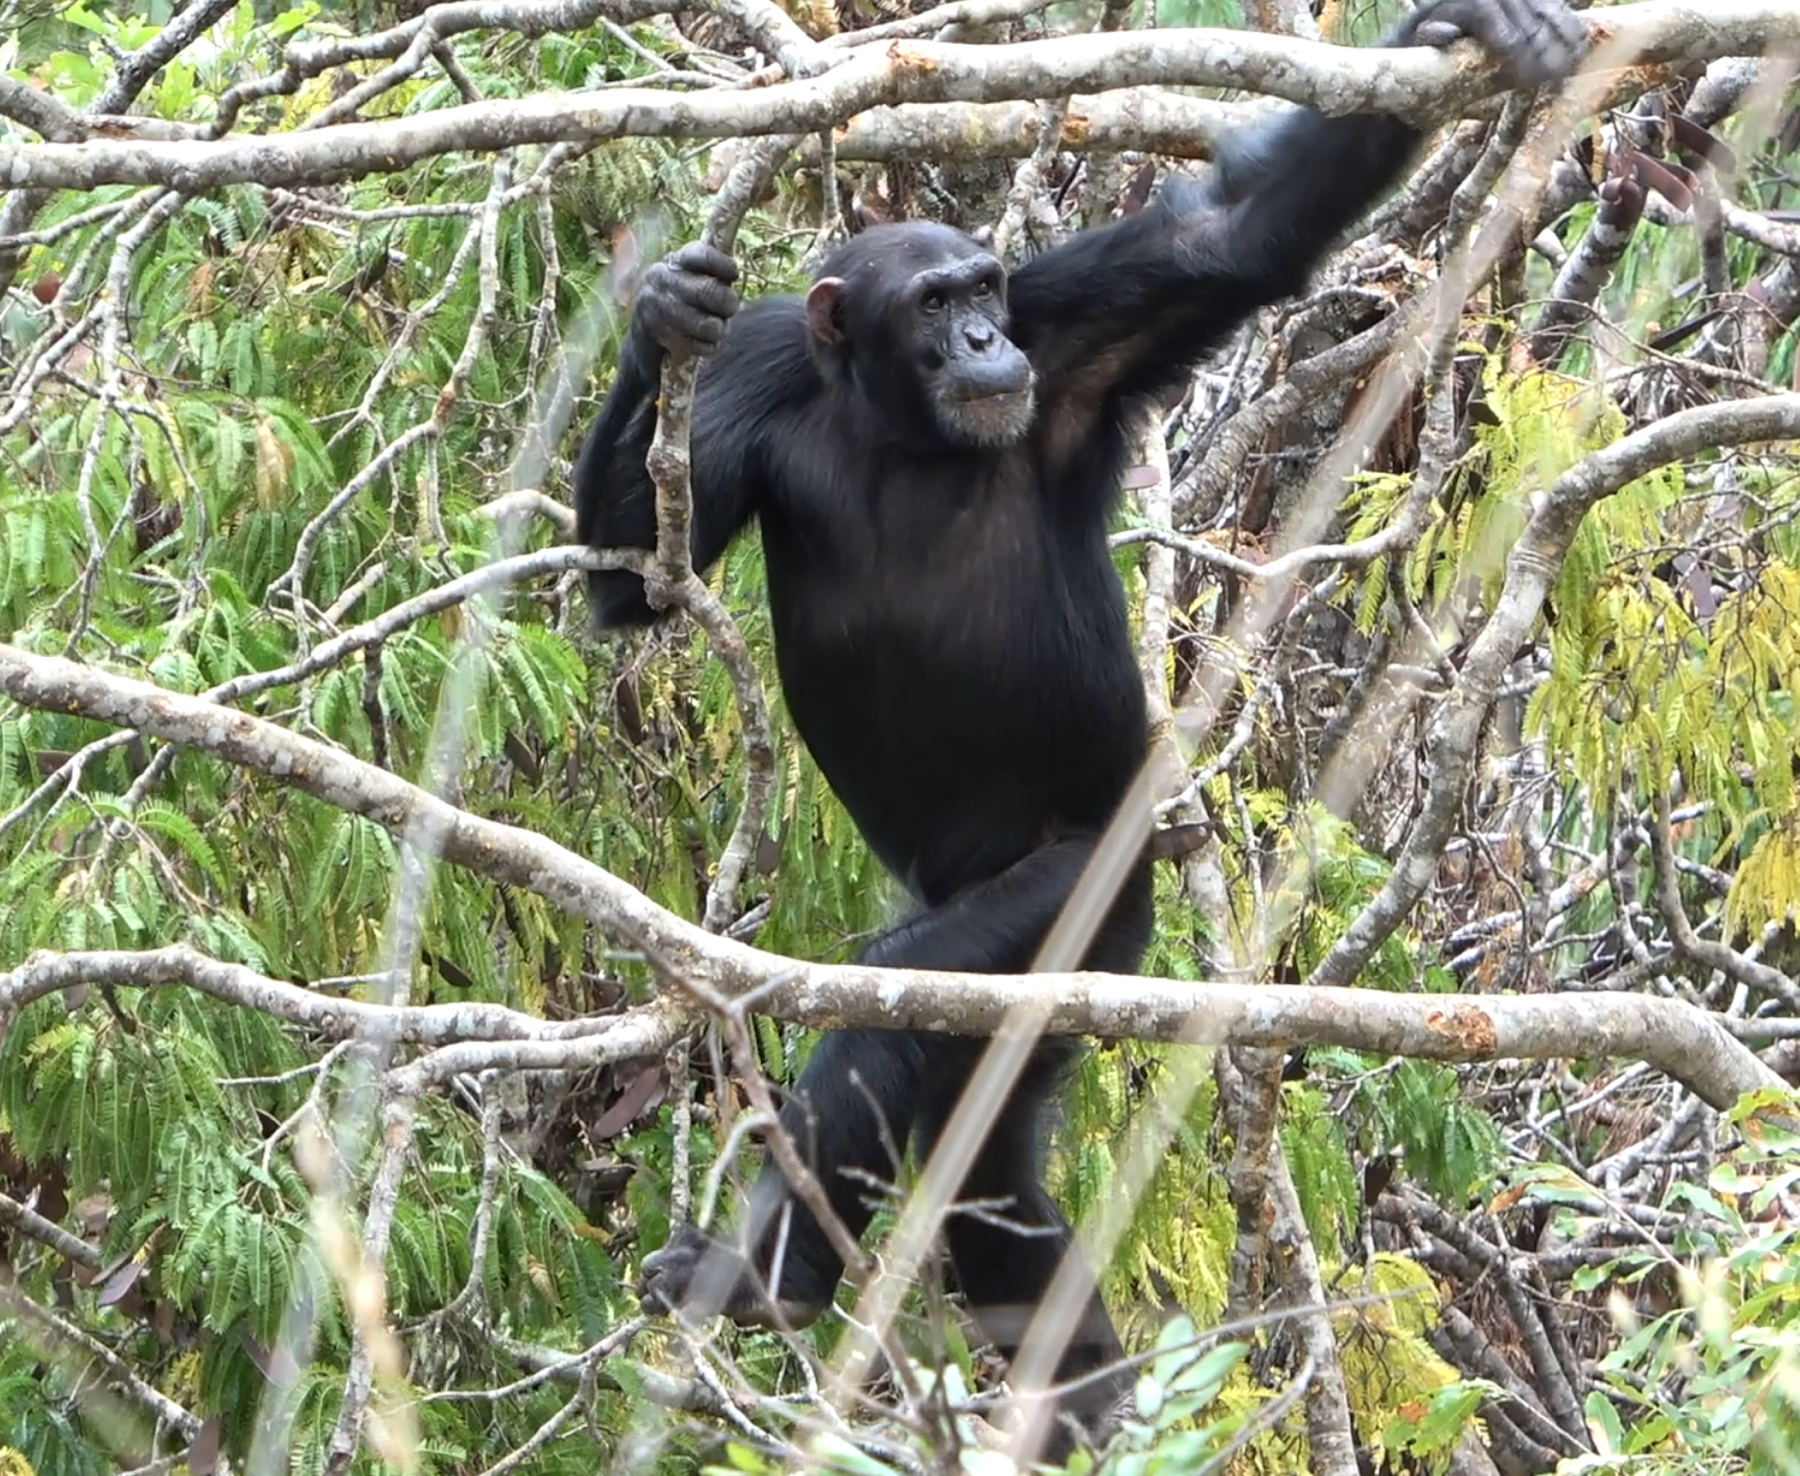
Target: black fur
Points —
{"points": [[950, 632]]}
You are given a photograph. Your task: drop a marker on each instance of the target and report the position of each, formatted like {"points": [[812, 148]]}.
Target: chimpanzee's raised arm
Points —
{"points": [[1129, 309]]}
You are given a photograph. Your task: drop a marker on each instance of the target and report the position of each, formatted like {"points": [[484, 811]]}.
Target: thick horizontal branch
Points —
{"points": [[1683, 1041], [1414, 82], [1151, 119]]}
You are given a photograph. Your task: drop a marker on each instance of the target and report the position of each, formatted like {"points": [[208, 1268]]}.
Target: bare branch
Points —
{"points": [[64, 1343], [324, 1014], [1147, 118], [669, 577], [1589, 267], [28, 1222], [1703, 951], [1686, 1043], [1416, 83]]}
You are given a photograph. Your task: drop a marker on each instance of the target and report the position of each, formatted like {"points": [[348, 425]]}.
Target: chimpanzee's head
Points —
{"points": [[917, 313]]}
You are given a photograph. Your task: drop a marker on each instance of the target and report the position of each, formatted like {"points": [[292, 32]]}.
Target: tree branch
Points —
{"points": [[1531, 570], [1147, 118], [28, 1222], [1686, 1043], [1415, 83]]}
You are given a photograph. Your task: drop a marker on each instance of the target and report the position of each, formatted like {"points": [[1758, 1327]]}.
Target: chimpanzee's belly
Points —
{"points": [[966, 705]]}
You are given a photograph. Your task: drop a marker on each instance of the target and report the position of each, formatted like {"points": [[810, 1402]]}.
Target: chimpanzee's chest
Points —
{"points": [[955, 658], [928, 579]]}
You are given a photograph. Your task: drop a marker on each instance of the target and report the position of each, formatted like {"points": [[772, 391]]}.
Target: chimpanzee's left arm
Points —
{"points": [[1130, 308]]}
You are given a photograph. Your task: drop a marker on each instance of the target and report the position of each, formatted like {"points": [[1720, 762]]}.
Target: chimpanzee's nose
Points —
{"points": [[980, 336]]}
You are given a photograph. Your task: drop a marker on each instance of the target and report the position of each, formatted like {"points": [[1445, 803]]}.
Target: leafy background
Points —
{"points": [[179, 514]]}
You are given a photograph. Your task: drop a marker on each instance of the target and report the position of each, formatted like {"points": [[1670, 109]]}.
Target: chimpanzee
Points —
{"points": [[933, 449]]}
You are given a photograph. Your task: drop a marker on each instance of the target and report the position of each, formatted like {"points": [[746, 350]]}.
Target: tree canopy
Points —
{"points": [[387, 961]]}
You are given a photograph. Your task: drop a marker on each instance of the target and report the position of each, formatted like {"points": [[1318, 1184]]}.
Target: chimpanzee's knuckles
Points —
{"points": [[667, 1275], [685, 310], [1546, 40], [705, 294], [703, 260], [656, 297], [1562, 38], [1533, 41], [679, 326]]}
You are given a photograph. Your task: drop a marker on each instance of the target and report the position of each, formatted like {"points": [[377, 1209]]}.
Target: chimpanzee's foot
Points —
{"points": [[696, 1274]]}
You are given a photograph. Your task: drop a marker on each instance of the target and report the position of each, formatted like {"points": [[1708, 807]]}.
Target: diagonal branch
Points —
{"points": [[1531, 571]]}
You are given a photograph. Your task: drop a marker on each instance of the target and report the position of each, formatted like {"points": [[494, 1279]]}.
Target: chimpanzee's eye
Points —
{"points": [[932, 302]]}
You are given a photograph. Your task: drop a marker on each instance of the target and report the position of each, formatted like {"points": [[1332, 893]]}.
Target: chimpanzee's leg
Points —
{"points": [[1007, 1240], [849, 1114], [862, 1095]]}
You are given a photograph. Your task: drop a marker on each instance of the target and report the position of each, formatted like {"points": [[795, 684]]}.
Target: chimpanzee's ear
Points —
{"points": [[983, 236], [824, 310]]}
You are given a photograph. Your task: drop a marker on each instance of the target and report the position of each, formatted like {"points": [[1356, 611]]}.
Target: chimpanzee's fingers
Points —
{"points": [[1548, 42], [1559, 40], [706, 261], [1438, 33], [679, 328], [686, 299], [703, 294], [1533, 41]]}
